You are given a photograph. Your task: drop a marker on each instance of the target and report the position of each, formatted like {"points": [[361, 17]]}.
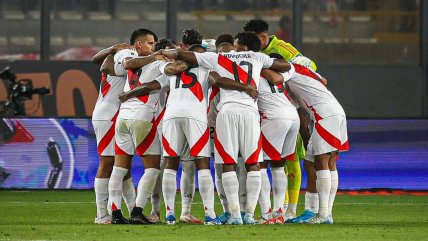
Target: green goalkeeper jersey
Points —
{"points": [[286, 50]]}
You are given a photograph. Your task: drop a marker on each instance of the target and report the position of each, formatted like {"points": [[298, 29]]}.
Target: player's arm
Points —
{"points": [[108, 65], [139, 62], [176, 67], [273, 77], [304, 129], [225, 83], [100, 56], [143, 89], [178, 54], [280, 65]]}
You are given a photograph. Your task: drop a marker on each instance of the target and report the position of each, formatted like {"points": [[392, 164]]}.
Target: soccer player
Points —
{"points": [[224, 43], [187, 182], [135, 129], [328, 138], [271, 44], [237, 124], [161, 106], [103, 120], [279, 126]]}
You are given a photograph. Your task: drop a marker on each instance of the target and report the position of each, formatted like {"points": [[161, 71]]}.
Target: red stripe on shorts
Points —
{"points": [[331, 139], [270, 150], [108, 137], [227, 159], [167, 148], [254, 158], [199, 145], [290, 157], [119, 151], [145, 144]]}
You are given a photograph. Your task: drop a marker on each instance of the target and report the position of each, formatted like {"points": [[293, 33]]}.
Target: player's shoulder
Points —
{"points": [[125, 53]]}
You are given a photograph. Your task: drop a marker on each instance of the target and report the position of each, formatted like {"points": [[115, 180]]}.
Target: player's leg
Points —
{"points": [[294, 174], [241, 172], [264, 197], [198, 135], [104, 132], [147, 147], [122, 163], [250, 145], [187, 191], [226, 153], [157, 194], [172, 142], [334, 183]]}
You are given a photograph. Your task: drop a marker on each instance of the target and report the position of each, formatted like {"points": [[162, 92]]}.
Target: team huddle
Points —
{"points": [[253, 103]]}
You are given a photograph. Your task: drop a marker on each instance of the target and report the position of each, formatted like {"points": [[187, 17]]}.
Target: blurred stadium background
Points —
{"points": [[373, 52]]}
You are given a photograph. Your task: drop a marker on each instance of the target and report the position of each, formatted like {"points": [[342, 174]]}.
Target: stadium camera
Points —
{"points": [[19, 91]]}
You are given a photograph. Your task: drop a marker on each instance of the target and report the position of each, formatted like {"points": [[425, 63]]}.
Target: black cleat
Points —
{"points": [[117, 218], [137, 217]]}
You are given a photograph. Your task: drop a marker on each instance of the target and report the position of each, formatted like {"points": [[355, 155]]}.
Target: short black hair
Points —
{"points": [[276, 56], [250, 40], [191, 36], [224, 38], [256, 25], [141, 33], [164, 43]]}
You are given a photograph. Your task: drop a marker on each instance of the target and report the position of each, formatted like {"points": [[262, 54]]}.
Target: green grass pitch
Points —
{"points": [[69, 215]]}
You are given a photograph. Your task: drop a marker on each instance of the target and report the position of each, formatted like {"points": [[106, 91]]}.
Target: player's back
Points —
{"points": [[108, 102], [244, 67], [274, 101], [188, 96], [317, 99], [140, 107]]}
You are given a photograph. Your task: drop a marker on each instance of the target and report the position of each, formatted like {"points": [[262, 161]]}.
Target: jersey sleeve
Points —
{"points": [[289, 74], [287, 51], [265, 60], [163, 80], [207, 60], [119, 57]]}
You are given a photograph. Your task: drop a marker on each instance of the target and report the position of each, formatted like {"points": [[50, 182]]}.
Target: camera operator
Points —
{"points": [[19, 91]]}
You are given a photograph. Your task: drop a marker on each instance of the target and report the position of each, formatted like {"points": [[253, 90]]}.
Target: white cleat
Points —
{"points": [[320, 220], [289, 215], [104, 220]]}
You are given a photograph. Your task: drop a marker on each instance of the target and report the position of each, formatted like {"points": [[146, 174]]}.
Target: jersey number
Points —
{"points": [[133, 78], [281, 88], [236, 73], [185, 77]]}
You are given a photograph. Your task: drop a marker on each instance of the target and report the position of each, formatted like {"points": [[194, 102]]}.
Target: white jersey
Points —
{"points": [[108, 102], [142, 107], [240, 66], [275, 102], [188, 94], [316, 98]]}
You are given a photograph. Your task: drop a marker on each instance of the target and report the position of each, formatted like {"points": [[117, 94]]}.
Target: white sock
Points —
{"points": [[157, 191], [264, 197], [115, 187], [279, 187], [187, 186], [292, 207], [241, 172], [323, 188], [254, 184], [311, 202], [333, 191], [128, 194], [219, 187], [169, 189], [145, 186], [101, 196], [206, 189], [231, 188]]}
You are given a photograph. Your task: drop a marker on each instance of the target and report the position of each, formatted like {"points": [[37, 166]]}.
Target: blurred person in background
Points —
{"points": [[283, 31]]}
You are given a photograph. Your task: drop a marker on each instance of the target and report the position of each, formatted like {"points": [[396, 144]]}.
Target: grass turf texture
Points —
{"points": [[69, 215]]}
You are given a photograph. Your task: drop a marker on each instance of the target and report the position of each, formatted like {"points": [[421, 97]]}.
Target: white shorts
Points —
{"points": [[237, 132], [104, 133], [328, 135], [279, 138], [178, 132], [136, 136]]}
